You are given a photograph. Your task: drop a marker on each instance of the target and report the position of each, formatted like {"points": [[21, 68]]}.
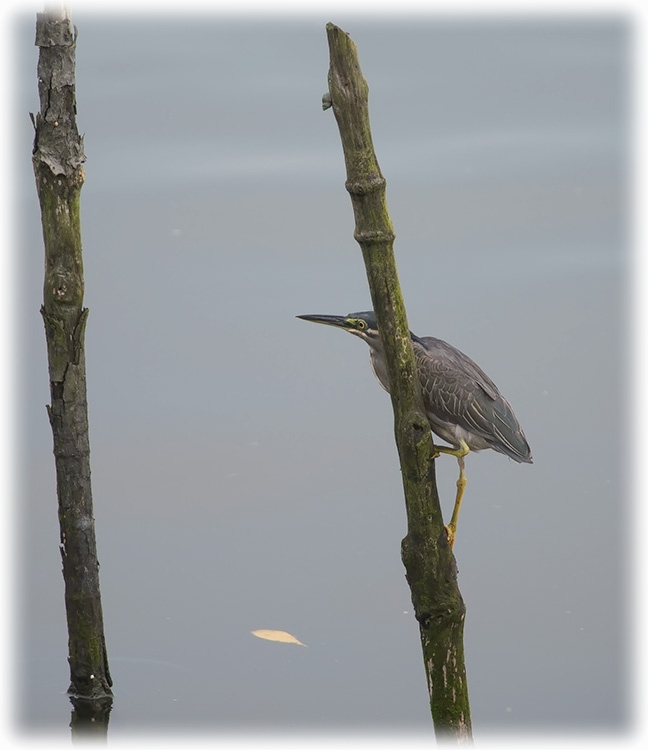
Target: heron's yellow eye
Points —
{"points": [[361, 325]]}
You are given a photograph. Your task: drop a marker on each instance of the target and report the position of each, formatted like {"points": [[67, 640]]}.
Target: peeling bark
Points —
{"points": [[57, 158]]}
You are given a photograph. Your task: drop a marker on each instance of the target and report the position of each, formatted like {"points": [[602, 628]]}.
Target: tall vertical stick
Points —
{"points": [[57, 159], [428, 559]]}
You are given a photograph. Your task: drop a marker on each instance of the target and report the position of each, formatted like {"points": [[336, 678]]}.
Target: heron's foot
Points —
{"points": [[460, 452], [450, 534], [435, 452]]}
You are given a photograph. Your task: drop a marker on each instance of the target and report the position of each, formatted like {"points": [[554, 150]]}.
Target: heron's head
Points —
{"points": [[360, 324]]}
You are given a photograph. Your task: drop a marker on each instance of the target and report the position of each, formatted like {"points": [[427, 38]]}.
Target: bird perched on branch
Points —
{"points": [[462, 404]]}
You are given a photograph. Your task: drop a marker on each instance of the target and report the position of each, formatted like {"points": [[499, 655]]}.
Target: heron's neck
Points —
{"points": [[379, 364]]}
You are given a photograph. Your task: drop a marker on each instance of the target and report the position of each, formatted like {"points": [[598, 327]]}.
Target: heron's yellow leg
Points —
{"points": [[460, 453], [451, 528]]}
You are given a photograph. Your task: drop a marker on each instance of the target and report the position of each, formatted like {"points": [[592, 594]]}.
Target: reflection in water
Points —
{"points": [[89, 718]]}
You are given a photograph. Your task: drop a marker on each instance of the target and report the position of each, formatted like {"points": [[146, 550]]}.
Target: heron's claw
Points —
{"points": [[450, 534]]}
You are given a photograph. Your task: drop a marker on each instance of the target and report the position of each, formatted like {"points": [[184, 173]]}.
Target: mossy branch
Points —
{"points": [[429, 562]]}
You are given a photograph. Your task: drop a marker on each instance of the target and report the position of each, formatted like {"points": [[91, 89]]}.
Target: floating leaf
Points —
{"points": [[277, 635]]}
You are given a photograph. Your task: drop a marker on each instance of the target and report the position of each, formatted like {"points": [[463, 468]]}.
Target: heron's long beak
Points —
{"points": [[339, 321]]}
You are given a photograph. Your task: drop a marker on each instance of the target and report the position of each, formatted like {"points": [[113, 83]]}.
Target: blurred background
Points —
{"points": [[244, 468]]}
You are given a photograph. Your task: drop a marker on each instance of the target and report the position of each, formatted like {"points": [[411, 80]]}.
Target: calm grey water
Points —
{"points": [[244, 468]]}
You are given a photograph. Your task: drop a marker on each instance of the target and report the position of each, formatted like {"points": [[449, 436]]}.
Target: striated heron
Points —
{"points": [[462, 404]]}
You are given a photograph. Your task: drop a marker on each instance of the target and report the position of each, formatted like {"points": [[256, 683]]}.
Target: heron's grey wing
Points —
{"points": [[458, 392], [457, 361]]}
